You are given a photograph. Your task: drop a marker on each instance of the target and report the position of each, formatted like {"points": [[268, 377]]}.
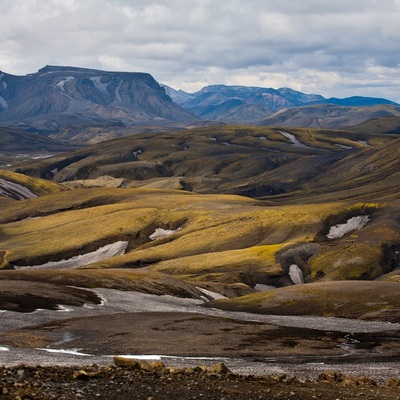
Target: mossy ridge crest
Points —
{"points": [[228, 159], [122, 279], [344, 299]]}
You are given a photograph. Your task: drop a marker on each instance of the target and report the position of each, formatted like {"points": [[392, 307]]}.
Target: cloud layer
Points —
{"points": [[335, 48]]}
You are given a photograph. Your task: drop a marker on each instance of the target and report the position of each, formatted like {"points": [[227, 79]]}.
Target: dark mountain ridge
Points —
{"points": [[329, 115], [73, 103], [58, 96], [268, 106], [275, 99]]}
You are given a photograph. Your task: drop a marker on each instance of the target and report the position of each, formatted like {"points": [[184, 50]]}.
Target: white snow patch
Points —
{"points": [[293, 139], [29, 218], [66, 337], [156, 357], [38, 157], [228, 144], [262, 138], [99, 85], [54, 171], [160, 233], [74, 352], [102, 253], [342, 146], [7, 188], [117, 92], [209, 293], [61, 84], [353, 224], [3, 103], [137, 152], [260, 287], [141, 357], [363, 142], [62, 308], [103, 300], [3, 348], [214, 139], [4, 83], [296, 274]]}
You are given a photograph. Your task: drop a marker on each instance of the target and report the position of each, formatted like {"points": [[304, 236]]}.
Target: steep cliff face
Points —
{"points": [[58, 95]]}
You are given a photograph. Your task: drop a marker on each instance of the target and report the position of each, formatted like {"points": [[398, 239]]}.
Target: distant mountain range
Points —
{"points": [[284, 106], [89, 105]]}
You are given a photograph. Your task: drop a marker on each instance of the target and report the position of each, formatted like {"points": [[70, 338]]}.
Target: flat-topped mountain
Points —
{"points": [[56, 96]]}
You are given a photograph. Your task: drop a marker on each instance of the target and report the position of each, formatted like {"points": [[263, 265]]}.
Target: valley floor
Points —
{"points": [[182, 333]]}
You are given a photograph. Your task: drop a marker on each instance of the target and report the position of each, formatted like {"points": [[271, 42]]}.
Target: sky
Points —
{"points": [[336, 48]]}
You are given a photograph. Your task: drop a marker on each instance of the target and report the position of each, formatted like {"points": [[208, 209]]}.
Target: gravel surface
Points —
{"points": [[116, 302]]}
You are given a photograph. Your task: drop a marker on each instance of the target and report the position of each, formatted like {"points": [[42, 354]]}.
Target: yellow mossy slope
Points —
{"points": [[210, 238], [230, 231]]}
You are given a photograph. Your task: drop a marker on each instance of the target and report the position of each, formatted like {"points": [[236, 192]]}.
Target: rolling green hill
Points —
{"points": [[253, 161], [321, 224]]}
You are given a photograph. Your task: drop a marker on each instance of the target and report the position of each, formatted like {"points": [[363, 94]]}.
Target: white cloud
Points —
{"points": [[336, 48]]}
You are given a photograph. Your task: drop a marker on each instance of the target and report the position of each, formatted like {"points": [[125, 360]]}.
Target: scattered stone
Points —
{"points": [[146, 366], [330, 376], [364, 380], [202, 368], [219, 368], [116, 383], [126, 362], [23, 395], [85, 375], [21, 373], [391, 382], [157, 365]]}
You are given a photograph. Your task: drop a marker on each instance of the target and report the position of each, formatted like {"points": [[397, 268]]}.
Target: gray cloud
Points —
{"points": [[335, 48]]}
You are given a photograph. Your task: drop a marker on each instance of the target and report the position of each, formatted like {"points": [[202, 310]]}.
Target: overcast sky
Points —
{"points": [[330, 47]]}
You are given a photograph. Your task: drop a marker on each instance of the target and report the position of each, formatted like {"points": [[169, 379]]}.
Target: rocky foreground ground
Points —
{"points": [[128, 379]]}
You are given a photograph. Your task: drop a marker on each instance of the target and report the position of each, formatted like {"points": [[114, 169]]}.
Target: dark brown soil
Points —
{"points": [[186, 334]]}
